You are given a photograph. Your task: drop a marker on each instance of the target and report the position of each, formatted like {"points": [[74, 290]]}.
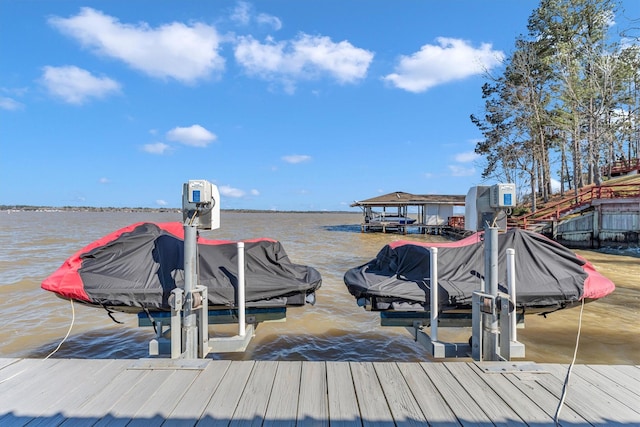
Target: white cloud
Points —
{"points": [[182, 52], [449, 60], [75, 85], [296, 158], [10, 104], [305, 58], [243, 14], [156, 148], [194, 136], [161, 202], [254, 192], [228, 191], [466, 157], [104, 180], [457, 170], [269, 20]]}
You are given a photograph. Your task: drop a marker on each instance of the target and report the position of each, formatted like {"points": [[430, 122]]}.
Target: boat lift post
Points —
{"points": [[189, 327], [493, 317], [490, 322]]}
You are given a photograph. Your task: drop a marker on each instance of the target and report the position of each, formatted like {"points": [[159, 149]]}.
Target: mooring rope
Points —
{"points": [[565, 386]]}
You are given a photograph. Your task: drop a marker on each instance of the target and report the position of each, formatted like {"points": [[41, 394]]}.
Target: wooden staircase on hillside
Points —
{"points": [[569, 205]]}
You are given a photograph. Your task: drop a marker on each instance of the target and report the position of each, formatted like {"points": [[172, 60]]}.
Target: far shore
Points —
{"points": [[25, 208]]}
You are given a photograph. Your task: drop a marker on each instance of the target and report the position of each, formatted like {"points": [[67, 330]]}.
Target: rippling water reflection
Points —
{"points": [[34, 244]]}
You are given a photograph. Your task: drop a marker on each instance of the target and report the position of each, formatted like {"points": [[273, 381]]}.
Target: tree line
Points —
{"points": [[568, 102]]}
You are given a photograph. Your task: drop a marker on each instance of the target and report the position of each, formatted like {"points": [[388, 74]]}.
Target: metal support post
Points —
{"points": [[189, 326], [203, 322], [241, 303], [516, 348], [511, 283], [434, 293], [176, 322], [490, 339]]}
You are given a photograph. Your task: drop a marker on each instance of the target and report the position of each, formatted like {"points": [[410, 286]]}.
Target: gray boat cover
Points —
{"points": [[138, 266], [548, 275]]}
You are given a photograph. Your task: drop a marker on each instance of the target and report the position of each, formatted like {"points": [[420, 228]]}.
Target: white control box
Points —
{"points": [[199, 191], [503, 196], [201, 204]]}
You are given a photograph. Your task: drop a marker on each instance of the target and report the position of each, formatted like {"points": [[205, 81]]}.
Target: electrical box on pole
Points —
{"points": [[201, 204]]}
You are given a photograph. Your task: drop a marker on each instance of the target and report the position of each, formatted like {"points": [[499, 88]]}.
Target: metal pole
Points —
{"points": [[176, 324], [511, 281], [434, 293], [490, 343], [241, 304], [190, 282]]}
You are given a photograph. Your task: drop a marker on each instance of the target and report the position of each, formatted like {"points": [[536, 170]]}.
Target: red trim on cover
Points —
{"points": [[177, 229], [595, 285], [470, 240], [66, 280]]}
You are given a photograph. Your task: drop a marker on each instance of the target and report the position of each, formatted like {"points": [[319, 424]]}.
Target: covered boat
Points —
{"points": [[137, 267], [548, 275]]}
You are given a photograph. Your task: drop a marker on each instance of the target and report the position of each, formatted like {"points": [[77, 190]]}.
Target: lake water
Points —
{"points": [[34, 321]]}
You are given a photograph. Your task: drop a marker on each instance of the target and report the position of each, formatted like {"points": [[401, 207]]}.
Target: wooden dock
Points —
{"points": [[154, 392], [401, 228]]}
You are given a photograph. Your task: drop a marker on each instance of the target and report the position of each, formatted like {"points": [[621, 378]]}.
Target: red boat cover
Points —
{"points": [[547, 273], [138, 266]]}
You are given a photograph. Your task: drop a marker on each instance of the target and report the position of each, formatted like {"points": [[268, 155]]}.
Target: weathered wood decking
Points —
{"points": [[152, 392]]}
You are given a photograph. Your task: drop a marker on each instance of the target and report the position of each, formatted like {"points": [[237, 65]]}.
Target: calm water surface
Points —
{"points": [[34, 321]]}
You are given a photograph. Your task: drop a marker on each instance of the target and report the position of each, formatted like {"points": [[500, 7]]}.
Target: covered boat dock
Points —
{"points": [[400, 212]]}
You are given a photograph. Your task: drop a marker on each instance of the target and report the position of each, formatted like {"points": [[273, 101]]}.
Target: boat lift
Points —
{"points": [[189, 319], [493, 317]]}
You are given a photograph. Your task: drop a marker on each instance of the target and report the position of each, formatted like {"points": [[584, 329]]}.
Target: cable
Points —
{"points": [[73, 319], [566, 380], [193, 217]]}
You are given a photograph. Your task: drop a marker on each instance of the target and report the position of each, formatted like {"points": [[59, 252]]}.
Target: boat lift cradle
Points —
{"points": [[186, 334], [493, 319]]}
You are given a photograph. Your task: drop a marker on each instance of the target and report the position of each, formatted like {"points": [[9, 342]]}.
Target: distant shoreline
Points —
{"points": [[26, 208]]}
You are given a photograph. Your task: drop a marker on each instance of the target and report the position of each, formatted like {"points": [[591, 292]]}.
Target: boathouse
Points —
{"points": [[400, 212]]}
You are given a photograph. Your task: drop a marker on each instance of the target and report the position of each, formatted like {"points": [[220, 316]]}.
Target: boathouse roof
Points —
{"points": [[400, 198]]}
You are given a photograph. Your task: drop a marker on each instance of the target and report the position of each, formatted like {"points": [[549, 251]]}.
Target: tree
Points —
{"points": [[567, 92]]}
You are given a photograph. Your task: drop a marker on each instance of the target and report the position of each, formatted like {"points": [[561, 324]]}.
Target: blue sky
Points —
{"points": [[285, 105]]}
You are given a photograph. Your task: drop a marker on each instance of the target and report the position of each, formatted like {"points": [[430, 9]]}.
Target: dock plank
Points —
{"points": [[18, 378], [164, 399], [492, 403], [592, 403], [102, 400], [343, 403], [543, 398], [313, 407], [627, 397], [222, 404], [632, 371], [190, 408], [252, 406], [467, 410], [402, 403], [78, 393], [271, 393], [8, 361], [283, 404], [631, 385], [514, 397], [374, 410], [431, 402], [135, 399]]}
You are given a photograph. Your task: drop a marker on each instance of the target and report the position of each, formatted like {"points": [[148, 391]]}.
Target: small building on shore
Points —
{"points": [[400, 212]]}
